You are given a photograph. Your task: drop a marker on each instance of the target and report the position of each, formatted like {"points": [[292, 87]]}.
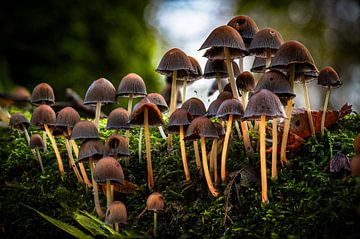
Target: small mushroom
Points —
{"points": [[20, 122], [43, 94], [160, 102], [246, 83], [259, 65], [155, 203], [116, 214], [37, 143], [214, 106], [118, 119], [117, 146]]}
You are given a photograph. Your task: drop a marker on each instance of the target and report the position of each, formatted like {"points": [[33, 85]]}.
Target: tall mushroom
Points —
{"points": [[155, 203], [160, 102], [37, 143], [190, 76], [116, 214]]}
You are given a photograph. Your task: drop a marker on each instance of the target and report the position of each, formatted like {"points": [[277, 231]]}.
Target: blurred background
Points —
{"points": [[72, 43]]}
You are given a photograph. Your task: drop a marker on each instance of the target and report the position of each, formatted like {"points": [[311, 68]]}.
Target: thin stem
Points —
{"points": [[98, 209], [268, 59], [162, 133], [183, 154], [244, 98], [197, 156], [108, 194], [264, 196], [81, 165], [117, 227], [27, 136], [44, 140], [247, 143], [225, 148], [231, 74], [40, 160], [218, 81], [212, 152], [323, 117], [155, 223], [216, 178], [129, 109], [148, 153], [72, 162], [184, 90], [140, 143], [211, 187], [56, 150], [241, 64], [274, 150], [97, 114], [308, 109], [237, 127], [172, 104]]}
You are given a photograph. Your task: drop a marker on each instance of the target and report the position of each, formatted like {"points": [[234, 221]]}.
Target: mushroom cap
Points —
{"points": [[355, 166], [17, 120], [21, 93], [118, 119], [132, 84], [195, 106], [36, 141], [339, 162], [214, 86], [329, 77], [245, 81], [276, 82], [193, 75], [154, 114], [214, 106], [266, 103], [265, 40], [158, 100], [108, 168], [166, 93], [217, 68], [230, 107], [175, 60], [293, 52], [258, 65], [201, 127], [85, 129], [220, 129], [155, 202], [101, 91], [67, 118], [227, 88], [117, 146], [357, 144], [179, 117], [43, 114], [91, 148], [224, 36], [43, 94], [246, 26], [116, 213]]}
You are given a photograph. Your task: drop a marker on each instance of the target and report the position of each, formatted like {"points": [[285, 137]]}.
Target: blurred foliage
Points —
{"points": [[72, 43]]}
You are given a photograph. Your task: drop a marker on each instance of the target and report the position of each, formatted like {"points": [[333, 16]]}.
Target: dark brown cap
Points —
{"points": [[197, 73], [195, 106], [214, 106], [118, 119], [220, 129], [214, 68], [137, 114], [43, 94], [266, 40], [166, 92], [85, 129], [357, 144], [132, 84], [36, 142], [67, 118], [227, 88], [201, 127], [116, 213], [177, 118], [117, 146], [17, 120], [108, 169], [258, 65], [42, 115], [246, 26], [329, 77], [91, 148], [214, 86], [230, 107], [245, 81], [155, 202], [266, 103], [102, 91], [175, 60], [158, 100]]}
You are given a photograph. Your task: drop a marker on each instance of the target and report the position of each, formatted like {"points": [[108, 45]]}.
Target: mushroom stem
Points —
{"points": [[129, 109], [162, 133], [211, 187], [40, 160], [216, 178], [248, 148], [183, 154], [264, 196], [211, 155], [241, 64], [97, 114], [72, 162], [308, 110], [56, 150], [140, 143], [27, 136], [197, 156], [218, 81], [237, 127], [244, 98], [274, 150], [231, 74], [268, 59], [116, 227], [148, 153], [225, 148], [44, 140], [81, 165], [98, 209], [172, 104], [108, 194], [155, 223], [323, 117], [184, 90]]}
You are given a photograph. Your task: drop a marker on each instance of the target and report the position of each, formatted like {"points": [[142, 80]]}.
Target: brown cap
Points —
{"points": [[101, 91], [214, 68], [214, 106], [357, 144], [132, 84], [246, 26], [264, 41], [177, 118], [116, 213], [195, 106], [117, 146], [158, 100], [266, 103], [108, 169], [137, 114], [227, 88], [230, 107], [329, 77], [214, 86], [17, 120], [258, 65], [67, 118], [220, 129], [36, 142], [91, 148], [42, 115], [175, 60], [85, 129], [43, 94], [118, 119], [197, 73], [201, 127], [245, 81], [155, 202]]}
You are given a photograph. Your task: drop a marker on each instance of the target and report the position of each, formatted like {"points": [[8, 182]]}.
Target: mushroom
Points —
{"points": [[117, 146], [328, 78], [229, 110], [214, 151], [100, 92], [43, 117], [261, 105], [178, 122], [202, 127], [131, 86], [116, 214], [357, 144], [190, 76], [166, 93], [118, 119], [147, 114], [20, 122], [155, 203], [214, 106], [160, 102], [259, 65], [37, 143], [246, 83]]}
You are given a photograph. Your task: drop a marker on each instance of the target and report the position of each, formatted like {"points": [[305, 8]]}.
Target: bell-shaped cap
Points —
{"points": [[217, 68], [21, 94], [158, 100], [101, 91], [201, 127], [357, 144], [117, 146], [154, 114], [355, 166], [43, 94], [132, 84], [227, 88], [85, 129], [214, 86], [214, 106], [166, 93], [246, 26], [230, 107], [266, 41], [42, 115], [195, 106], [91, 148], [258, 65], [179, 117], [220, 129], [118, 119], [108, 169], [175, 60], [264, 103], [36, 141], [67, 118], [18, 120], [116, 213], [245, 81], [155, 202], [328, 77]]}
